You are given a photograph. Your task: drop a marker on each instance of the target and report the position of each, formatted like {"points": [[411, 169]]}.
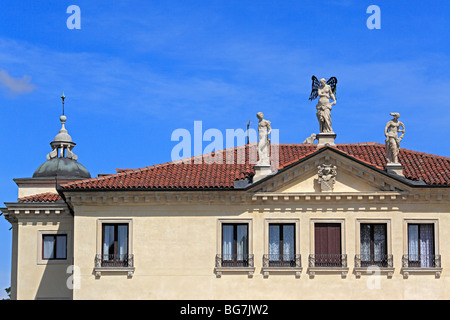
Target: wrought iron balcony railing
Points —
{"points": [[282, 261], [379, 260], [234, 260], [421, 261], [327, 260], [114, 260]]}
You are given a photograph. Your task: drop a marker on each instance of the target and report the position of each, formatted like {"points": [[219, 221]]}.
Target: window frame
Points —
{"points": [[100, 222], [101, 269], [372, 260], [407, 222], [281, 241], [418, 261], [336, 221], [54, 236], [234, 261], [282, 221], [333, 261], [115, 260], [219, 270], [40, 246], [388, 271], [343, 270], [421, 270], [288, 268]]}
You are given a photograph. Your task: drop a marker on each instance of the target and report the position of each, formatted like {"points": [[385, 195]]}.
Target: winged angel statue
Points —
{"points": [[325, 90]]}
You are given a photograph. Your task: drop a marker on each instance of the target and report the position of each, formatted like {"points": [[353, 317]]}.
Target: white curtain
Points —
{"points": [[242, 242], [122, 242], [413, 242], [379, 242], [288, 242], [227, 243], [365, 242], [108, 242], [426, 236], [274, 242], [48, 247]]}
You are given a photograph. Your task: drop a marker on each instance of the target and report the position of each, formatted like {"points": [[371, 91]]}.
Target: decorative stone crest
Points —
{"points": [[327, 177]]}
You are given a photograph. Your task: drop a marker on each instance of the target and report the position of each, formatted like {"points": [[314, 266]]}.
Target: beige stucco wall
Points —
{"points": [[174, 247], [30, 190], [32, 186], [34, 278]]}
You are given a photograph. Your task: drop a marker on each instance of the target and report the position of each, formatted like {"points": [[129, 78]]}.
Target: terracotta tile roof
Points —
{"points": [[42, 197], [188, 174]]}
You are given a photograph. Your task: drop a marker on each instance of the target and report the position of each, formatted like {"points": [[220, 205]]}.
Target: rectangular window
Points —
{"points": [[281, 244], [374, 245], [115, 244], [54, 246], [421, 245], [234, 244], [327, 244]]}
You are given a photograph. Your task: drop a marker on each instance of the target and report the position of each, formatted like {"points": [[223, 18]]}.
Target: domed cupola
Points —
{"points": [[61, 161]]}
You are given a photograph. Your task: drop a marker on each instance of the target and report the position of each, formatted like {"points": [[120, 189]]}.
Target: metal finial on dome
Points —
{"points": [[63, 97]]}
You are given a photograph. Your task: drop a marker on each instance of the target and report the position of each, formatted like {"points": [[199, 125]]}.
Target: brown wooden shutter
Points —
{"points": [[327, 238], [327, 242]]}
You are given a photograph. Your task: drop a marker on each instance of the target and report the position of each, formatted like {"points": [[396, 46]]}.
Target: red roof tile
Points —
{"points": [[42, 197], [188, 174]]}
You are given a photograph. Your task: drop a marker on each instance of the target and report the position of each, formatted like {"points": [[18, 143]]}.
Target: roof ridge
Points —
{"points": [[401, 149], [371, 143], [425, 153]]}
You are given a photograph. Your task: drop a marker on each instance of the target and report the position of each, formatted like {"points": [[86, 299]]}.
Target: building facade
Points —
{"points": [[329, 222]]}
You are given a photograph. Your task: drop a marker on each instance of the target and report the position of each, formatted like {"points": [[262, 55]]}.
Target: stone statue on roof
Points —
{"points": [[391, 131], [264, 130], [325, 90], [310, 139]]}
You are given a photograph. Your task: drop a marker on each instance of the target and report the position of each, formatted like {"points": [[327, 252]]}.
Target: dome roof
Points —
{"points": [[61, 161], [62, 168]]}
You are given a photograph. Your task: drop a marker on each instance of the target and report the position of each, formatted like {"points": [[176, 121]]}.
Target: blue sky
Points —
{"points": [[138, 70]]}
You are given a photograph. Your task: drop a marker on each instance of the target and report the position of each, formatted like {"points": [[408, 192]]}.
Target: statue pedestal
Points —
{"points": [[326, 138], [261, 171], [396, 168]]}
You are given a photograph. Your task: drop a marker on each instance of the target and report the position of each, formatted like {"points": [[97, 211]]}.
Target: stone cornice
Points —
{"points": [[382, 197], [16, 210], [248, 198], [155, 197]]}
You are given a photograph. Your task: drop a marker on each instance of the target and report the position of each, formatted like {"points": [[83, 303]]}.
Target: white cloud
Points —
{"points": [[16, 85]]}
